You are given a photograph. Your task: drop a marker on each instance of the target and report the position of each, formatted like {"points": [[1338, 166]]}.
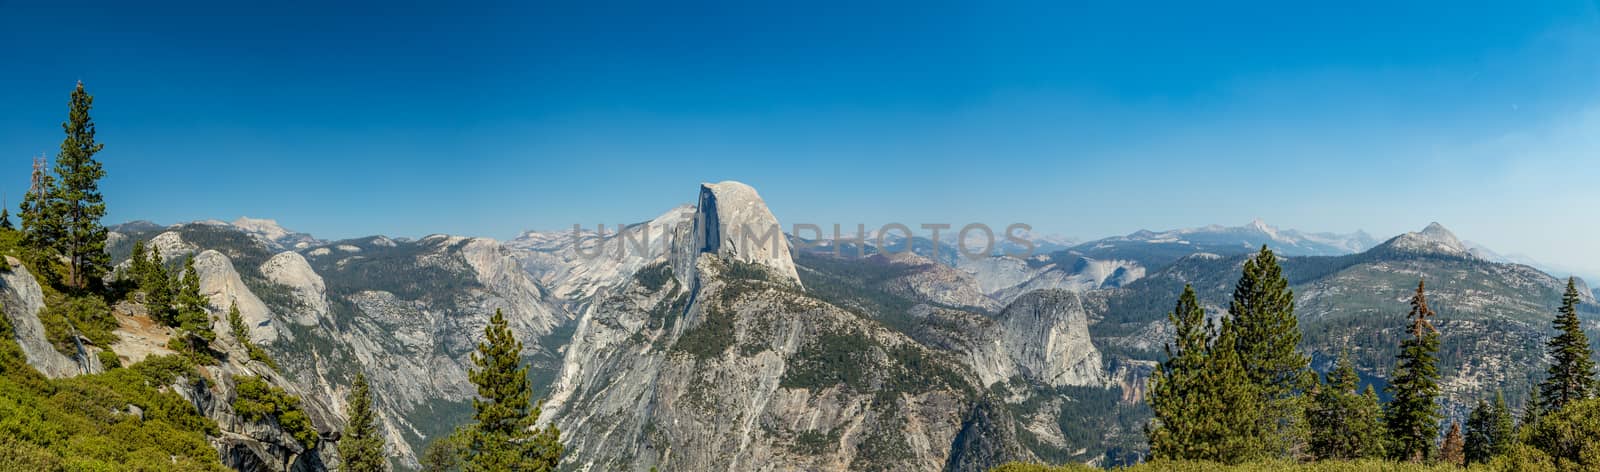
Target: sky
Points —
{"points": [[1085, 120]]}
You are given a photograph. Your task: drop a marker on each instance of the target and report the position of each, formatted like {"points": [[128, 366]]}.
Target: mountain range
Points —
{"points": [[704, 353]]}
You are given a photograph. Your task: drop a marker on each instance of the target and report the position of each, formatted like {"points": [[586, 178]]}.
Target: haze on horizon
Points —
{"points": [[1087, 121]]}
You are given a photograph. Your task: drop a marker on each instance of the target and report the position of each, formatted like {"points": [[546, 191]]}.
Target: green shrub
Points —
{"points": [[89, 314], [257, 401]]}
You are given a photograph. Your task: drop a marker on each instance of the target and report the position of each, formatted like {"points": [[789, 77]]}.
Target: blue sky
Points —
{"points": [[1081, 120]]}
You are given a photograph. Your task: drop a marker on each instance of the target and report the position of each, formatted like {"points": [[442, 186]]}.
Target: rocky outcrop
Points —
{"points": [[924, 279], [733, 222], [291, 270], [220, 283], [1046, 334], [577, 265], [21, 299]]}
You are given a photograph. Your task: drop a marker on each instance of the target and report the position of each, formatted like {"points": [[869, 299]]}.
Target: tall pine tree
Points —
{"points": [[361, 446], [503, 437], [5, 219], [75, 199], [193, 318], [1490, 430], [1267, 337], [1571, 372], [1413, 415], [1345, 423], [1177, 393]]}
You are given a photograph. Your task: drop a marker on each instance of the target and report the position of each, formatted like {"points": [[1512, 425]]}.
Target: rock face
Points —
{"points": [[291, 270], [21, 299], [221, 284], [733, 222], [1047, 337], [723, 366], [576, 266]]}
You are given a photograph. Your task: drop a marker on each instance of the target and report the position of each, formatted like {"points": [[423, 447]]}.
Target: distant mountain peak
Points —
{"points": [[1434, 239]]}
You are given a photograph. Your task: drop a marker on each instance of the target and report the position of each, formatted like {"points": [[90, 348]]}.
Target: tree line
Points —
{"points": [[61, 231], [1239, 390]]}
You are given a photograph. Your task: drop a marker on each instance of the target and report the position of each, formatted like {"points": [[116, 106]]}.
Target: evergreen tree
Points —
{"points": [[5, 220], [193, 319], [76, 198], [1233, 408], [1176, 393], [1571, 372], [1413, 415], [503, 437], [157, 289], [1450, 452], [361, 446], [444, 454], [138, 264], [236, 326], [41, 226], [1267, 336], [1345, 423], [1489, 430]]}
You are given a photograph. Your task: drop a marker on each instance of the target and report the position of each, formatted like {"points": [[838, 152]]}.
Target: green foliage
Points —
{"points": [[241, 333], [192, 318], [711, 337], [109, 359], [654, 276], [1570, 435], [444, 454], [86, 423], [1345, 423], [88, 314], [1180, 401], [503, 436], [1267, 337], [361, 446], [158, 289], [75, 202], [1490, 430], [1571, 373], [1413, 414], [257, 401]]}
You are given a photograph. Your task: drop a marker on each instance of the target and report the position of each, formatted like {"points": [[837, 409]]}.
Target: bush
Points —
{"points": [[1570, 435], [257, 401], [89, 314]]}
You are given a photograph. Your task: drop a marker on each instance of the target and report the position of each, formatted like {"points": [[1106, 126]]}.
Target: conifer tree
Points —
{"points": [[503, 437], [1345, 423], [1489, 430], [1451, 451], [361, 446], [193, 319], [157, 289], [1413, 415], [138, 264], [1267, 336], [41, 226], [1176, 391], [75, 200], [1571, 372], [5, 219], [1233, 405]]}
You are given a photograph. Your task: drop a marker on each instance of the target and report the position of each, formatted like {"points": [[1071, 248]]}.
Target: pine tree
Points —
{"points": [[361, 446], [193, 318], [157, 289], [41, 226], [1179, 431], [1268, 337], [1489, 430], [5, 220], [1345, 423], [76, 197], [1233, 410], [1413, 415], [1450, 452], [1571, 372], [138, 264], [503, 437]]}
